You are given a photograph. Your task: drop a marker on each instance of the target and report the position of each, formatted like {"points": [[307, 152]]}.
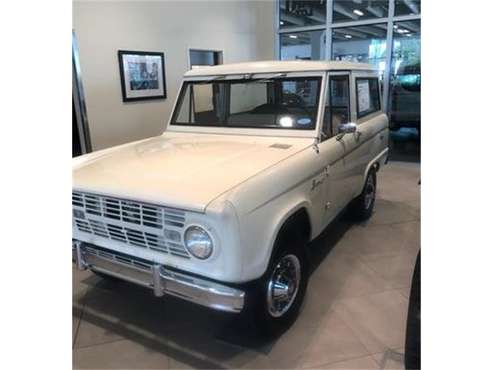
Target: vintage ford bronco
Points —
{"points": [[256, 160]]}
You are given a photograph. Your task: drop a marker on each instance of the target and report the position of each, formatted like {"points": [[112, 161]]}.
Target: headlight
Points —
{"points": [[198, 242]]}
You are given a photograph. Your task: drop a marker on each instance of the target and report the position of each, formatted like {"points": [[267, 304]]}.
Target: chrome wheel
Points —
{"points": [[369, 191], [283, 285]]}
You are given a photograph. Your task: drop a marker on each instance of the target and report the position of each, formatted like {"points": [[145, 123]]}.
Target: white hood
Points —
{"points": [[181, 170]]}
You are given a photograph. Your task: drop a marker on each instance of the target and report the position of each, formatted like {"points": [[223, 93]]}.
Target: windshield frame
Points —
{"points": [[257, 131]]}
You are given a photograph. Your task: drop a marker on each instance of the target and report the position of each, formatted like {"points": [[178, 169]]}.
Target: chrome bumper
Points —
{"points": [[158, 278]]}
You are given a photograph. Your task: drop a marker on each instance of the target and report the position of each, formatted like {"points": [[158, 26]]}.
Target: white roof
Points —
{"points": [[277, 66]]}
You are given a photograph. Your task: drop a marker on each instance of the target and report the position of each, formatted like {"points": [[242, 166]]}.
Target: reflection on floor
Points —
{"points": [[353, 318]]}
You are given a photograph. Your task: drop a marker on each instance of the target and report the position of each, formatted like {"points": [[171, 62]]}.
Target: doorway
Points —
{"points": [[198, 58]]}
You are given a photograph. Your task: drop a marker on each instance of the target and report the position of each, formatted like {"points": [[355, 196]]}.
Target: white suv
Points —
{"points": [[256, 161]]}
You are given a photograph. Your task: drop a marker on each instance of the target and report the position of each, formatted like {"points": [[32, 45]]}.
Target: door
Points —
{"points": [[358, 145], [336, 111]]}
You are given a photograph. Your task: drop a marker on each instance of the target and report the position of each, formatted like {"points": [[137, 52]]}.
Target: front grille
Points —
{"points": [[134, 223]]}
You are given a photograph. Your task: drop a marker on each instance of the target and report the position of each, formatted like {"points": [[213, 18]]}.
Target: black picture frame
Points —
{"points": [[142, 91]]}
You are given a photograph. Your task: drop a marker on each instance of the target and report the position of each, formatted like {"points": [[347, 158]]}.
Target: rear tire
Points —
{"points": [[361, 208]]}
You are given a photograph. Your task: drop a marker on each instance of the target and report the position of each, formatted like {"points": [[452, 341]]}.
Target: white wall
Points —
{"points": [[244, 30]]}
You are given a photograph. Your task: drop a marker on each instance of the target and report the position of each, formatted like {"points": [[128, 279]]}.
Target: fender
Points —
{"points": [[379, 158], [306, 205]]}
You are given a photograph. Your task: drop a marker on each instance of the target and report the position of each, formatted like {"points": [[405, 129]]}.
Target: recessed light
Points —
{"points": [[286, 121], [358, 12], [293, 36], [348, 36]]}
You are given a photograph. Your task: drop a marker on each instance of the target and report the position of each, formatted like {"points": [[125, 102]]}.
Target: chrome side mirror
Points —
{"points": [[346, 128]]}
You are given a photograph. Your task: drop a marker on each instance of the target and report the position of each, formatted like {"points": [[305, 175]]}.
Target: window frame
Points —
{"points": [[379, 109], [328, 96]]}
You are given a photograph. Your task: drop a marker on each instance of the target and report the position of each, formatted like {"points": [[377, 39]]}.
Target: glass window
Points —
{"points": [[303, 45], [367, 96], [290, 103], [405, 76], [347, 11], [407, 7], [336, 105], [364, 44], [302, 13]]}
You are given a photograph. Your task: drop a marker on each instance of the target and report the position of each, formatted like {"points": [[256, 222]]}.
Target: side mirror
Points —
{"points": [[346, 128]]}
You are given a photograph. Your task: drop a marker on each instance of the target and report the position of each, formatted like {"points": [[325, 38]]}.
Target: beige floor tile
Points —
{"points": [[405, 292], [123, 354], [379, 320], [388, 212], [332, 341], [360, 363], [343, 277], [409, 235], [390, 359], [78, 286], [76, 313], [397, 271], [115, 311], [372, 240]]}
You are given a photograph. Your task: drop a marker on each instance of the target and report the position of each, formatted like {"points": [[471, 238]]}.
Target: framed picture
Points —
{"points": [[142, 75]]}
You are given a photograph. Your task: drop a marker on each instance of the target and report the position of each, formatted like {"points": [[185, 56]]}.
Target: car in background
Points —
{"points": [[405, 98]]}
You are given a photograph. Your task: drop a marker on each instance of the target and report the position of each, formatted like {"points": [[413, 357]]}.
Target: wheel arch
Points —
{"points": [[297, 222], [375, 163]]}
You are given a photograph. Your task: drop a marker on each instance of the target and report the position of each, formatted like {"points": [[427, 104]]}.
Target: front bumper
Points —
{"points": [[158, 278]]}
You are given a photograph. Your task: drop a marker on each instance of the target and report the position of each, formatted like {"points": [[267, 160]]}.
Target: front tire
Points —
{"points": [[361, 207], [280, 292]]}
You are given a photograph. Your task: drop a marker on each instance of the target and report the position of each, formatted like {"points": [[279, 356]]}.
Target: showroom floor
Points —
{"points": [[353, 318]]}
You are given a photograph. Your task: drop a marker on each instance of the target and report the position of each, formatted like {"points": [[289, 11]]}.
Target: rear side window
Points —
{"points": [[367, 96]]}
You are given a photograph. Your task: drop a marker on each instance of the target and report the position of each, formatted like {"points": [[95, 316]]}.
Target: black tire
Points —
{"points": [[361, 208], [413, 328], [257, 297]]}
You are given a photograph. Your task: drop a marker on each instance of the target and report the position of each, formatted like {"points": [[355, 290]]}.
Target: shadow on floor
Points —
{"points": [[188, 333]]}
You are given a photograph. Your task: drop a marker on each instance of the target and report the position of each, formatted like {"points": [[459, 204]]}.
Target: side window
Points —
{"points": [[336, 105], [367, 96]]}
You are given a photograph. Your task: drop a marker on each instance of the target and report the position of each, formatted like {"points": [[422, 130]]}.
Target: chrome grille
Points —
{"points": [[138, 224]]}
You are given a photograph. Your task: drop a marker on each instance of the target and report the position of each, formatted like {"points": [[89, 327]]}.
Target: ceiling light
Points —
{"points": [[293, 36], [402, 30], [396, 26], [358, 12], [282, 23], [348, 36], [286, 121]]}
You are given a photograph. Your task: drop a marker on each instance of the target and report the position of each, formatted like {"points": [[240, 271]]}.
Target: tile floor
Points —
{"points": [[353, 317]]}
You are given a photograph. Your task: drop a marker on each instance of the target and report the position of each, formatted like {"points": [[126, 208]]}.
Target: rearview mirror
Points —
{"points": [[346, 128]]}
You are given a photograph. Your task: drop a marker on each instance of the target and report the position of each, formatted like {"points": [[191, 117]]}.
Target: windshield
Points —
{"points": [[281, 103]]}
